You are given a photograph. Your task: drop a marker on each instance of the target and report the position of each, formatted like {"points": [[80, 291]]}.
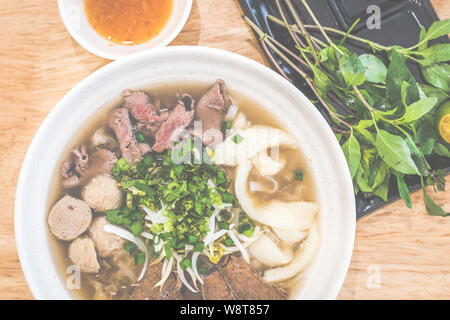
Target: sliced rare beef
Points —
{"points": [[119, 121], [246, 284], [80, 168], [210, 110], [146, 289], [216, 288], [140, 107], [178, 120]]}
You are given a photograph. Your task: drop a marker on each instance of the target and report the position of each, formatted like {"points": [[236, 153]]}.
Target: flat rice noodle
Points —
{"points": [[302, 259], [269, 253], [295, 215], [290, 236], [266, 166], [254, 140]]}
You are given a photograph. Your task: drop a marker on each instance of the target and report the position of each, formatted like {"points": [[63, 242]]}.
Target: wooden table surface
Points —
{"points": [[399, 253]]}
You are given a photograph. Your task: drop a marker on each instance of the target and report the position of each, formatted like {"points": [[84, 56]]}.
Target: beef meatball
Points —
{"points": [[69, 218], [82, 254], [107, 244], [102, 193]]}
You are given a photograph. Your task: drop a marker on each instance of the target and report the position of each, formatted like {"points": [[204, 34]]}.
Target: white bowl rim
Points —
{"points": [[113, 56], [20, 236]]}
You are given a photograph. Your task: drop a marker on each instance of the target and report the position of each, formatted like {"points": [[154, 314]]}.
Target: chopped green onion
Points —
{"points": [[185, 263], [139, 258], [129, 246], [192, 239], [140, 137], [136, 228], [228, 242], [237, 138], [199, 247], [123, 164], [148, 160], [227, 197], [298, 175], [224, 225]]}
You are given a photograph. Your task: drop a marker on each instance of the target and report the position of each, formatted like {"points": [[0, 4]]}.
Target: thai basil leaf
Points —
{"points": [[425, 137], [418, 109], [418, 156], [438, 75], [321, 80], [438, 29], [363, 124], [352, 70], [430, 91], [375, 71], [441, 150], [396, 74], [403, 191], [432, 208], [435, 54], [395, 152], [383, 189], [422, 39], [352, 152]]}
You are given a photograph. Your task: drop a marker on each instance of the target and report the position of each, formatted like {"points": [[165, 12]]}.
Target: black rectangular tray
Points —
{"points": [[401, 21]]}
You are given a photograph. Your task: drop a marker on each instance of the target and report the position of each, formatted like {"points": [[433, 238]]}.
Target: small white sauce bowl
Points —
{"points": [[74, 17]]}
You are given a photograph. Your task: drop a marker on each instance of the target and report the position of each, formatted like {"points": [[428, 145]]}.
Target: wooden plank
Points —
{"points": [[40, 62]]}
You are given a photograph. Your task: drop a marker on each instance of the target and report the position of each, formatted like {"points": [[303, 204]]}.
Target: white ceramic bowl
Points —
{"points": [[74, 18], [322, 280]]}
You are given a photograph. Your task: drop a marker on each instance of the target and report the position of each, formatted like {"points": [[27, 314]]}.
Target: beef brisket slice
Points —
{"points": [[215, 288], [146, 289], [245, 284]]}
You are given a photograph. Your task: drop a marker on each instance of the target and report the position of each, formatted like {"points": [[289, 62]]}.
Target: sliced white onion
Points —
{"points": [[255, 186], [147, 235], [232, 112], [212, 224], [217, 235], [166, 274], [195, 256], [193, 277], [239, 246], [259, 187], [181, 272], [159, 259], [155, 217], [127, 235]]}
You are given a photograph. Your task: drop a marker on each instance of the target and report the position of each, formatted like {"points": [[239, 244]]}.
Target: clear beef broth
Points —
{"points": [[168, 93]]}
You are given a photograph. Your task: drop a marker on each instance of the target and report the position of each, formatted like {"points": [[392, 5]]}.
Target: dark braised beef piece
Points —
{"points": [[215, 288], [210, 110], [146, 289], [81, 167], [119, 121], [169, 131], [235, 279]]}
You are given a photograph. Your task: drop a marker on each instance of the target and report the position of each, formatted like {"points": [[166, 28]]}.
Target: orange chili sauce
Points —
{"points": [[128, 22]]}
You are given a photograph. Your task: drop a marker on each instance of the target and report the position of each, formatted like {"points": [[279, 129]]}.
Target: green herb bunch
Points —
{"points": [[386, 126]]}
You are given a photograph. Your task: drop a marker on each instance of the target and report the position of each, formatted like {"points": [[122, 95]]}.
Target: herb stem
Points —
{"points": [[313, 16], [336, 31], [363, 100], [296, 29], [310, 41]]}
